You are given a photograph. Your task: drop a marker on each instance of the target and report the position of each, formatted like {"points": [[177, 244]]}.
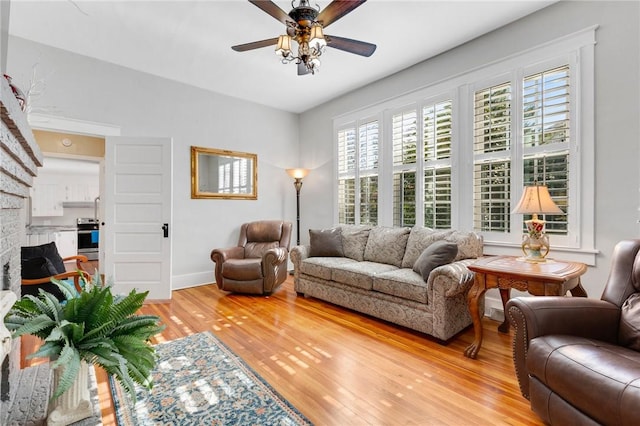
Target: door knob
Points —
{"points": [[165, 229]]}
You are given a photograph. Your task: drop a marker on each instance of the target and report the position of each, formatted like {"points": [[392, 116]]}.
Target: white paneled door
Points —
{"points": [[136, 226]]}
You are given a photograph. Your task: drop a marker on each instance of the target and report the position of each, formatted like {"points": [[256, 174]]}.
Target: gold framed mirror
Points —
{"points": [[218, 173]]}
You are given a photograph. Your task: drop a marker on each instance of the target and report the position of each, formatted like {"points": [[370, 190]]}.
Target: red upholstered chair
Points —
{"points": [[258, 264]]}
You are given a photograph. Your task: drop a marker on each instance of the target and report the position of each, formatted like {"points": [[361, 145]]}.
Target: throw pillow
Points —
{"points": [[419, 239], [37, 267], [326, 243], [437, 254], [49, 250]]}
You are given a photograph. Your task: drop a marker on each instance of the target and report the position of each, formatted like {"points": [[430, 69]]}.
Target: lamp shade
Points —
{"points": [[283, 48], [316, 37], [298, 173], [536, 200]]}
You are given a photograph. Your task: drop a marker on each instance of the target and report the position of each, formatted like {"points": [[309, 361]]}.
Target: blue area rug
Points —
{"points": [[199, 381]]}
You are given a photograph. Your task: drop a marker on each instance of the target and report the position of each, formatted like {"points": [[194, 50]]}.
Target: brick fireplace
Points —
{"points": [[20, 158]]}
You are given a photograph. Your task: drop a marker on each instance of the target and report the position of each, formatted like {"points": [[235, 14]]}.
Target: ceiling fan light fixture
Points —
{"points": [[283, 48], [305, 25], [316, 37]]}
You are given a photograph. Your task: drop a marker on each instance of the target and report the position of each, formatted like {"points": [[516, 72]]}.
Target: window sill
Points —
{"points": [[585, 256]]}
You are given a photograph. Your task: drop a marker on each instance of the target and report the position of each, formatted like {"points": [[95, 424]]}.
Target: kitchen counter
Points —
{"points": [[47, 229]]}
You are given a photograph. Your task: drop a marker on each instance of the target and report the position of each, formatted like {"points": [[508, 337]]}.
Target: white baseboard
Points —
{"points": [[192, 280]]}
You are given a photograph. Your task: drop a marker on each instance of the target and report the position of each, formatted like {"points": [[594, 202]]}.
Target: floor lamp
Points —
{"points": [[298, 175]]}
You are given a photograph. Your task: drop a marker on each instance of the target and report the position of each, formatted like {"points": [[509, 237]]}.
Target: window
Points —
{"points": [[492, 158], [458, 153], [546, 137], [358, 174], [437, 123], [404, 127], [543, 143]]}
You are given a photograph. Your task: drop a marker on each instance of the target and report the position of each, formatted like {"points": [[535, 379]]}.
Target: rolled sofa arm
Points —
{"points": [[459, 276], [297, 255], [532, 317]]}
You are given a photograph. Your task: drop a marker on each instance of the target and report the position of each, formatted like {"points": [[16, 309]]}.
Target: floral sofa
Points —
{"points": [[415, 277]]}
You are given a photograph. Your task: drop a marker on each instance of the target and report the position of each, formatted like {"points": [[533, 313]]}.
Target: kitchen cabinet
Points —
{"points": [[52, 188], [46, 199], [81, 191], [67, 243]]}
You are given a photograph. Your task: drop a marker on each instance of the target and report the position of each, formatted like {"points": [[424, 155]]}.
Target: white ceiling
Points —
{"points": [[190, 41]]}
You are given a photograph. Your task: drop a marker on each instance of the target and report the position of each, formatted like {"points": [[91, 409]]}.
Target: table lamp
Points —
{"points": [[536, 200]]}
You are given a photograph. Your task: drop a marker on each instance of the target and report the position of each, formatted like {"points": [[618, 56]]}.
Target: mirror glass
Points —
{"points": [[217, 173]]}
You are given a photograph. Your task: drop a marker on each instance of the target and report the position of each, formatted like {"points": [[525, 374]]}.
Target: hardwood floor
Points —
{"points": [[339, 367]]}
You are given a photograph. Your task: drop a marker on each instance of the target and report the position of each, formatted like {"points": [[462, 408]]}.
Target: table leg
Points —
{"points": [[473, 298], [578, 291], [505, 294]]}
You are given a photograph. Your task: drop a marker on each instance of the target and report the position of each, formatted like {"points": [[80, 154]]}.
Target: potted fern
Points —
{"points": [[92, 327]]}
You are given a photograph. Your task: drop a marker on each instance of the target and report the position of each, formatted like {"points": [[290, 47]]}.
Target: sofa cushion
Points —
{"points": [[469, 244], [419, 239], [322, 267], [325, 242], [573, 367], [386, 245], [354, 240], [402, 283], [437, 254], [359, 274], [629, 330]]}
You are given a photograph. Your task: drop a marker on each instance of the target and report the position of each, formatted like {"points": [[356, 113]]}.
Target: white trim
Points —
{"points": [[542, 52], [577, 50], [71, 125]]}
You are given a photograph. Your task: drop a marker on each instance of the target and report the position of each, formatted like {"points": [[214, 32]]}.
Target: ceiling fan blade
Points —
{"points": [[302, 69], [255, 45], [361, 48], [336, 10], [272, 9]]}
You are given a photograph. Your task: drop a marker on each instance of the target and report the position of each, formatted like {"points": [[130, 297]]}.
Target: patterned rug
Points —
{"points": [[199, 381]]}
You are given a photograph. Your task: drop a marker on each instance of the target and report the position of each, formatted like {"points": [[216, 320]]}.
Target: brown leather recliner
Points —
{"points": [[258, 265], [578, 360]]}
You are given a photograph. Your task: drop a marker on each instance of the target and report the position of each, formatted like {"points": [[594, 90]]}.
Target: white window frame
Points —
{"points": [[357, 173], [578, 51]]}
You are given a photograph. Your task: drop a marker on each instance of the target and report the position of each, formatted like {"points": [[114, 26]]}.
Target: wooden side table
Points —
{"points": [[551, 278]]}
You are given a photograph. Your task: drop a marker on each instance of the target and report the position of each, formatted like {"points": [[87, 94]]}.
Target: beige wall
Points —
{"points": [[51, 142]]}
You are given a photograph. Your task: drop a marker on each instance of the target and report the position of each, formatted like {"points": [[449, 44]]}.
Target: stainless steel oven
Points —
{"points": [[88, 237]]}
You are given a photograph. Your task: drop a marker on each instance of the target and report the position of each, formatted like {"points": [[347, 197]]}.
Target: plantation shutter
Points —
{"points": [[437, 125], [404, 127], [546, 137], [368, 134], [492, 158], [346, 176]]}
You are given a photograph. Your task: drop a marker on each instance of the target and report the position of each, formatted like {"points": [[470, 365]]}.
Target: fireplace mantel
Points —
{"points": [[20, 158]]}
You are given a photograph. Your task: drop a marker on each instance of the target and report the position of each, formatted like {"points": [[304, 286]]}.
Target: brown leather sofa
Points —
{"points": [[577, 359], [258, 264]]}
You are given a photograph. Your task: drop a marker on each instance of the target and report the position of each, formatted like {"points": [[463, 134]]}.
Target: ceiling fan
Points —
{"points": [[305, 25]]}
